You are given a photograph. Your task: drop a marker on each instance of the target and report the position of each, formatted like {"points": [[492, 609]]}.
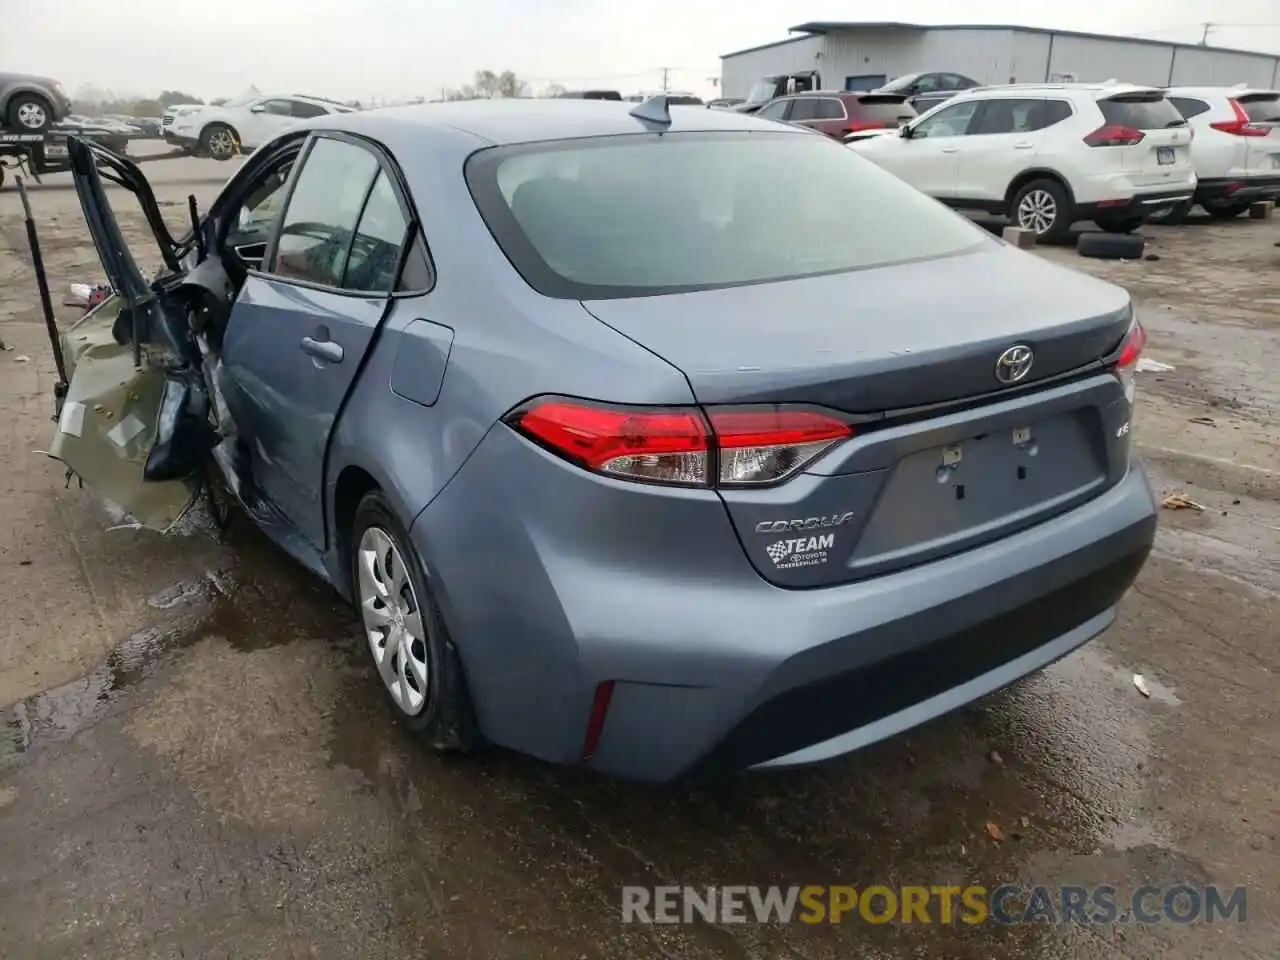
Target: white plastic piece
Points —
{"points": [[71, 422]]}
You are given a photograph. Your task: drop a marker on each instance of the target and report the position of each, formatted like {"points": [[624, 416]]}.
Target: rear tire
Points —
{"points": [[219, 141], [1044, 207], [418, 665], [1173, 216], [1119, 224], [1225, 211], [30, 113], [1111, 246]]}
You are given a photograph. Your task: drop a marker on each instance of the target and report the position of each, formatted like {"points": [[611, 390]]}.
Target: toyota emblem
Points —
{"points": [[1014, 364]]}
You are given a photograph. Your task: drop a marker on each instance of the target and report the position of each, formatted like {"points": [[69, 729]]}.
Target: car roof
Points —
{"points": [[1108, 87], [1221, 91], [507, 121]]}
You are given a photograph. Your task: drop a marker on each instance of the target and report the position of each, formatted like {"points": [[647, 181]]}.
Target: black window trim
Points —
{"points": [[413, 229]]}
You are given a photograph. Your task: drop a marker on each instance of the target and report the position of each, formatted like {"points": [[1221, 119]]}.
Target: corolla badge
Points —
{"points": [[1014, 364], [806, 523]]}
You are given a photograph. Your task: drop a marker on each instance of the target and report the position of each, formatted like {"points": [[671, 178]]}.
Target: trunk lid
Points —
{"points": [[1165, 147], [912, 484]]}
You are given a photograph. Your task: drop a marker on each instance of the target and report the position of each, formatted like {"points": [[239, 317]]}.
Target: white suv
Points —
{"points": [[1236, 150], [1047, 155], [223, 131]]}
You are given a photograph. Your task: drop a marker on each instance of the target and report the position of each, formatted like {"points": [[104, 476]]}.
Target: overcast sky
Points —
{"points": [[370, 49]]}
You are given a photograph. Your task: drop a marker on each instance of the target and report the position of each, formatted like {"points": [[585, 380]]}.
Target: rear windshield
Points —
{"points": [[1261, 108], [641, 215], [1141, 113], [884, 108]]}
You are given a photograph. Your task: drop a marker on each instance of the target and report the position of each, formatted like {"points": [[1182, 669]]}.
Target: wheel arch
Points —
{"points": [[353, 484], [1036, 173], [20, 88], [204, 128]]}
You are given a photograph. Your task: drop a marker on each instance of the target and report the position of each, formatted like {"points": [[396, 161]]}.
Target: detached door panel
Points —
{"points": [[300, 329]]}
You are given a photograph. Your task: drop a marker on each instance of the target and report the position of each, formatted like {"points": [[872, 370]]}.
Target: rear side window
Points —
{"points": [[323, 212], [306, 111], [1020, 115], [805, 108], [1189, 107], [1140, 113], [1261, 108], [830, 109], [644, 215], [884, 108]]}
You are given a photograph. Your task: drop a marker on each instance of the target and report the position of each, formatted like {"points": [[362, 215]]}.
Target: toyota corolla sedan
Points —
{"points": [[656, 441]]}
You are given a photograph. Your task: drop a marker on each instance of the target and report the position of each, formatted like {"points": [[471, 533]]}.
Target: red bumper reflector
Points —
{"points": [[595, 722]]}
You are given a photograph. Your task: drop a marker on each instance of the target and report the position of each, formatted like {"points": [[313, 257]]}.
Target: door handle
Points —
{"points": [[950, 149], [323, 349], [1022, 146]]}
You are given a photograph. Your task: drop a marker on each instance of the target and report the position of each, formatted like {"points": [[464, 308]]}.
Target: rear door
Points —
{"points": [[301, 326], [1003, 141], [1263, 145], [1162, 155]]}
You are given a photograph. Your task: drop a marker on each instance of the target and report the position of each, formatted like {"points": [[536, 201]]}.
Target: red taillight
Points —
{"points": [[1127, 364], [1240, 126], [726, 446], [595, 721], [1114, 135], [1134, 343], [859, 125]]}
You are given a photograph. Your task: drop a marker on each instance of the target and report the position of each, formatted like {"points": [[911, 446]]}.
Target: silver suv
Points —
{"points": [[31, 104]]}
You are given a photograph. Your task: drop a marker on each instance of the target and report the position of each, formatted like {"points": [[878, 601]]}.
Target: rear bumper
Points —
{"points": [[1138, 205], [1238, 189], [715, 669]]}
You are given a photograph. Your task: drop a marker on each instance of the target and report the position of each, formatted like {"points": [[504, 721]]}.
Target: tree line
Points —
{"points": [[485, 85]]}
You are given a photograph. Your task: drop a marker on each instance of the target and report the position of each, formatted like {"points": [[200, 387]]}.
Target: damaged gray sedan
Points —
{"points": [[626, 458]]}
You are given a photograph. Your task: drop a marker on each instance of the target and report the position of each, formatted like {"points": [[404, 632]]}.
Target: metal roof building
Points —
{"points": [[855, 55]]}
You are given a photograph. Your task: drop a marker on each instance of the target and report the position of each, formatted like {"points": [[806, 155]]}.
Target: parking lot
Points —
{"points": [[196, 760]]}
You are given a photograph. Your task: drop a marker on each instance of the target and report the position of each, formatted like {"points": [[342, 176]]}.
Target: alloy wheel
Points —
{"points": [[393, 621], [32, 116], [1037, 211], [222, 143]]}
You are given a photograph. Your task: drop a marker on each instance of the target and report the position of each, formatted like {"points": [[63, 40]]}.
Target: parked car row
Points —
{"points": [[1050, 155]]}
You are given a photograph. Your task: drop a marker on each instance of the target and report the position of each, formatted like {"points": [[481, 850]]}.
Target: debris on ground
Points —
{"points": [[1204, 421], [22, 358], [994, 757], [1147, 365], [1178, 501], [1140, 682], [995, 833]]}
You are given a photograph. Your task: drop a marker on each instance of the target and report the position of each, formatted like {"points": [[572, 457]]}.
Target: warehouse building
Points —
{"points": [[861, 56]]}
